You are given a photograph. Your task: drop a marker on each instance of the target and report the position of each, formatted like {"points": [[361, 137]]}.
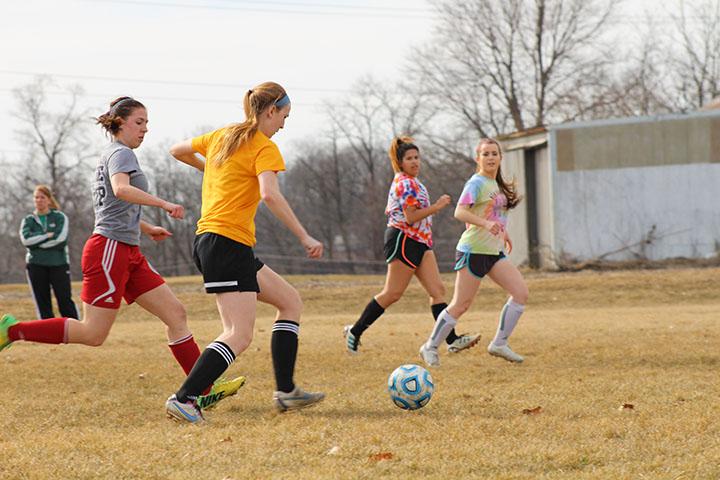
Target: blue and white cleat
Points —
{"points": [[183, 412], [352, 342]]}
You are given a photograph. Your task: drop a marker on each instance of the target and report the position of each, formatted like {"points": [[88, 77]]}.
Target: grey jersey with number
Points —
{"points": [[114, 218]]}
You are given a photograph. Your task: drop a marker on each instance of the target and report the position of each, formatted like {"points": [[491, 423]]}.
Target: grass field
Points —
{"points": [[592, 341]]}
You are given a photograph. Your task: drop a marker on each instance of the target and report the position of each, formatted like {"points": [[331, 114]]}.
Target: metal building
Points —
{"points": [[623, 189]]}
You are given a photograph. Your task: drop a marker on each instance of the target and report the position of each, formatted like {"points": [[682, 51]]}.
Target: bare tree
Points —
{"points": [[697, 60], [510, 64], [57, 140], [58, 146], [638, 86], [171, 180], [361, 126]]}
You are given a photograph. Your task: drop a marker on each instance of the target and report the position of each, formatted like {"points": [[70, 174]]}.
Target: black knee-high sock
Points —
{"points": [[436, 310], [216, 358], [372, 312], [284, 345]]}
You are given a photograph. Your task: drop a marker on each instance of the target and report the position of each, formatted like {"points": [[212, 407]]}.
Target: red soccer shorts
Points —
{"points": [[114, 270]]}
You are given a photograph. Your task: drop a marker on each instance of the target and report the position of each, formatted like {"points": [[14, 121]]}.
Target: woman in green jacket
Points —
{"points": [[44, 233]]}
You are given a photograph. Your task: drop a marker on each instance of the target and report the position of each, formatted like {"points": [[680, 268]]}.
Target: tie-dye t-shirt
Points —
{"points": [[407, 191], [486, 200]]}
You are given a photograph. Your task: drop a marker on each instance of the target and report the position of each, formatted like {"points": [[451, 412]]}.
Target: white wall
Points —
{"points": [[603, 210], [513, 166]]}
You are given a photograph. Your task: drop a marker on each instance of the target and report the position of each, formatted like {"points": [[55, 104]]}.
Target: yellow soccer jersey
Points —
{"points": [[231, 192]]}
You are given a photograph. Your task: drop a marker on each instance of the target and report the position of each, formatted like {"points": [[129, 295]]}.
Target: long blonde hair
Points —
{"points": [[256, 101], [398, 147], [509, 189], [45, 190]]}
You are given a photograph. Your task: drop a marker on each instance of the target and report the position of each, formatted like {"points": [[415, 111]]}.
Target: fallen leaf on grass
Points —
{"points": [[377, 457], [532, 411], [626, 406]]}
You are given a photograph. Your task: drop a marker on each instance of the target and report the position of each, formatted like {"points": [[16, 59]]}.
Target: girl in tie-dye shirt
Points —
{"points": [[407, 191], [408, 246], [483, 206]]}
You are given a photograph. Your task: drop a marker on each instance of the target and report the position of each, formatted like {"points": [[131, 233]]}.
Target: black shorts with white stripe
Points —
{"points": [[226, 265]]}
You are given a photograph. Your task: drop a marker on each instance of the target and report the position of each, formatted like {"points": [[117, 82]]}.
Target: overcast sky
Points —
{"points": [[190, 61]]}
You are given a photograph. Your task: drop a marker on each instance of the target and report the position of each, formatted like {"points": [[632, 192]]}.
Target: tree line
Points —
{"points": [[489, 67]]}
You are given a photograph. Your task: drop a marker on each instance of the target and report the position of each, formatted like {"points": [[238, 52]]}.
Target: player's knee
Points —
{"points": [[460, 308], [240, 342], [437, 294], [291, 306], [391, 297], [521, 295]]}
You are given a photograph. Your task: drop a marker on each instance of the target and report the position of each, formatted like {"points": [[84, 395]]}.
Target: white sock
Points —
{"points": [[509, 316], [443, 326]]}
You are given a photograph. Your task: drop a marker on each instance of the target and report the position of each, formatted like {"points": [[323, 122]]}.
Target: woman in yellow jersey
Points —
{"points": [[241, 169]]}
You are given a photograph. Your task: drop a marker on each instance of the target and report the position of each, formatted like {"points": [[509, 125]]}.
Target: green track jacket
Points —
{"points": [[42, 250]]}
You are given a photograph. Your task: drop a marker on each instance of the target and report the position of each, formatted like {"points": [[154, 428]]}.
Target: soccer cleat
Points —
{"points": [[220, 390], [6, 322], [352, 342], [464, 341], [504, 352], [430, 356], [296, 399], [183, 412]]}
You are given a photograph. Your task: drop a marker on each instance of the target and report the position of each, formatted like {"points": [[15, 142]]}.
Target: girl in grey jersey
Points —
{"points": [[112, 264]]}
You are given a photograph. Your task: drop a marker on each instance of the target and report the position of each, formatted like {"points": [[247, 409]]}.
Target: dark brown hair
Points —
{"points": [[509, 189], [120, 110], [398, 147]]}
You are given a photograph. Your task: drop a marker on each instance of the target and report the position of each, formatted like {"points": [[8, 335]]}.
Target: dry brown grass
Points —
{"points": [[593, 341]]}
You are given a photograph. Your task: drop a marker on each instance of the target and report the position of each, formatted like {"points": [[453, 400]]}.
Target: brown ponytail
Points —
{"points": [[120, 110]]}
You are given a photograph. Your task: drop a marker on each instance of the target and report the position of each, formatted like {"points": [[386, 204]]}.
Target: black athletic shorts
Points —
{"points": [[226, 265], [479, 264], [398, 246]]}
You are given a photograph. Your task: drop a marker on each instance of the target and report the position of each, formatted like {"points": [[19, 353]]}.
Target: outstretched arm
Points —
{"points": [[183, 151], [155, 232], [278, 205], [124, 191]]}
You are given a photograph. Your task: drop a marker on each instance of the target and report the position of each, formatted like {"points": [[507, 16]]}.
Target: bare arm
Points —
{"points": [[124, 191], [413, 214], [184, 152], [278, 205], [155, 232], [463, 213]]}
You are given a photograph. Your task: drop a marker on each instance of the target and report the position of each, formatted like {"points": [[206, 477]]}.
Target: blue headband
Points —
{"points": [[284, 100]]}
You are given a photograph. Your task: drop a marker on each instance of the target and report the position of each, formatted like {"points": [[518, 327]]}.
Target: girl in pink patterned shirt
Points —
{"points": [[408, 246]]}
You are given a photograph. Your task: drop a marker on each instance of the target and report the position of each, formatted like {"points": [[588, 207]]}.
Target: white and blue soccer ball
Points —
{"points": [[410, 386]]}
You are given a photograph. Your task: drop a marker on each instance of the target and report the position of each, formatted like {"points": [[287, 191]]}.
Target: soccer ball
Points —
{"points": [[410, 386]]}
